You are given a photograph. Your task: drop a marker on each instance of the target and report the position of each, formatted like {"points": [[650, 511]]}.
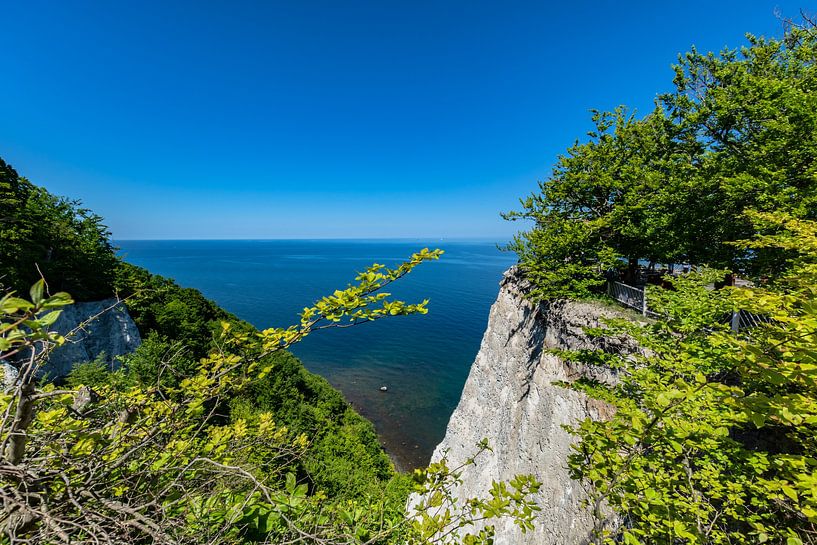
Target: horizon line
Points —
{"points": [[339, 239]]}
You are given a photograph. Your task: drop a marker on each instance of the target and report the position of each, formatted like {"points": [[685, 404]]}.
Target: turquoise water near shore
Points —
{"points": [[423, 360]]}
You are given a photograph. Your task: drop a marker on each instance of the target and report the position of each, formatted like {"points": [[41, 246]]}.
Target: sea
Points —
{"points": [[423, 361]]}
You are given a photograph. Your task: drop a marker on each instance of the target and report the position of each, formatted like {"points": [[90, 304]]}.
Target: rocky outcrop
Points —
{"points": [[512, 398], [100, 328]]}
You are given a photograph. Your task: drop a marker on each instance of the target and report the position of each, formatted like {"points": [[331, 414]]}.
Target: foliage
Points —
{"points": [[440, 517], [344, 458], [714, 436], [736, 134], [174, 314], [41, 234], [97, 373], [158, 361]]}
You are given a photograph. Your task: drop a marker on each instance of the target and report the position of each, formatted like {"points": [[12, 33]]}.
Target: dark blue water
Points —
{"points": [[423, 360]]}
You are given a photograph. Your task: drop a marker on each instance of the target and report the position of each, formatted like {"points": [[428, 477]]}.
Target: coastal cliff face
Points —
{"points": [[109, 330], [511, 399]]}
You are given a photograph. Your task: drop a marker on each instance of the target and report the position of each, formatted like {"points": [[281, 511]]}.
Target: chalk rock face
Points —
{"points": [[511, 399], [9, 376], [111, 331]]}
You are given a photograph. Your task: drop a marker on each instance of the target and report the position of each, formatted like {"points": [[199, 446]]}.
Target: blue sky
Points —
{"points": [[345, 119]]}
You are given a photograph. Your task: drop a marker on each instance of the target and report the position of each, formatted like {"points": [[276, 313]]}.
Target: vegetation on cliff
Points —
{"points": [[41, 234], [715, 433]]}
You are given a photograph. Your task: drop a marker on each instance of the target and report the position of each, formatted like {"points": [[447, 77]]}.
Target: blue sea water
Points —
{"points": [[423, 360]]}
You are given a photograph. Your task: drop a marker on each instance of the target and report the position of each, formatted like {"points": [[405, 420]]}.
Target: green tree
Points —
{"points": [[737, 134], [41, 234], [599, 205]]}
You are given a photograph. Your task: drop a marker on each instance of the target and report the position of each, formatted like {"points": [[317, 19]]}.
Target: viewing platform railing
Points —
{"points": [[745, 320], [636, 298]]}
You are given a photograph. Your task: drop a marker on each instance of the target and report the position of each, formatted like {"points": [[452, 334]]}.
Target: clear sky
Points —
{"points": [[303, 119]]}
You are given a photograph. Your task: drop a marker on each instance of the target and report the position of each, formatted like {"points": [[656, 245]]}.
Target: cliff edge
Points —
{"points": [[511, 399]]}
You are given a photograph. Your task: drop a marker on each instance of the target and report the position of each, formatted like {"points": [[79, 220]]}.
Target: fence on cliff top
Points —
{"points": [[636, 299], [629, 296]]}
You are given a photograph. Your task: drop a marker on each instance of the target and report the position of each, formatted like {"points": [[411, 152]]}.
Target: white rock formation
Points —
{"points": [[510, 398], [9, 376], [108, 329]]}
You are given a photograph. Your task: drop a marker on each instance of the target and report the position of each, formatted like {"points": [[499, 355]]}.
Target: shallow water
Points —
{"points": [[423, 360]]}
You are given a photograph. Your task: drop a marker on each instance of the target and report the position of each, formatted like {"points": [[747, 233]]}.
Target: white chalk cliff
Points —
{"points": [[92, 329], [99, 328], [511, 399]]}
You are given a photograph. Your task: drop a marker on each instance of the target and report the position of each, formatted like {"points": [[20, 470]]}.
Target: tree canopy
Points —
{"points": [[54, 237], [738, 133]]}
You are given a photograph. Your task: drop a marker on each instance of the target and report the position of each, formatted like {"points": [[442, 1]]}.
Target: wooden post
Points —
{"points": [[631, 276], [644, 301]]}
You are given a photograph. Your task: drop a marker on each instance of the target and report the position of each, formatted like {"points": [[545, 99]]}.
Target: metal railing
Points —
{"points": [[635, 298], [743, 319]]}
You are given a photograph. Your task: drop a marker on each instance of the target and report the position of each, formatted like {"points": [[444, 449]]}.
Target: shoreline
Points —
{"points": [[404, 457]]}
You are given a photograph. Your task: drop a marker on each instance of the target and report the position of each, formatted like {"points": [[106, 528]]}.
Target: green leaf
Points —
{"points": [[49, 318], [290, 483], [37, 291], [57, 300], [630, 539], [11, 305], [790, 492]]}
